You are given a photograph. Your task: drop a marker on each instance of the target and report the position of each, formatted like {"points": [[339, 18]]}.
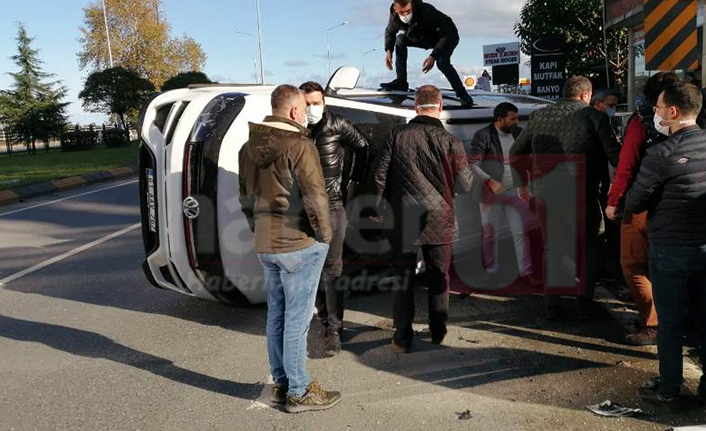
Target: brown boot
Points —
{"points": [[644, 337]]}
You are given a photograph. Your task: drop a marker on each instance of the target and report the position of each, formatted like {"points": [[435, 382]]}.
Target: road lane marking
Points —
{"points": [[67, 255], [68, 197]]}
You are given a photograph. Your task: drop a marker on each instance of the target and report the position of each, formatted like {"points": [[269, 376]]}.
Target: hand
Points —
{"points": [[524, 194], [610, 212], [428, 64], [496, 187], [388, 60]]}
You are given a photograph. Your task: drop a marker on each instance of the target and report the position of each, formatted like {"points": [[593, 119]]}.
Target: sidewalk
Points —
{"points": [[19, 194]]}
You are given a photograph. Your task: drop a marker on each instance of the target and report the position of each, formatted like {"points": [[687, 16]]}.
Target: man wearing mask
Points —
{"points": [[283, 197], [671, 187], [605, 101], [558, 140], [497, 193], [422, 26], [332, 135]]}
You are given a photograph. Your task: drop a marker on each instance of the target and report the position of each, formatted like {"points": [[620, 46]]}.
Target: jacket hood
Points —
{"points": [[270, 140]]}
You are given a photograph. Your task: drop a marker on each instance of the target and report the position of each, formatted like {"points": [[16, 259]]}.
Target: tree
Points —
{"points": [[581, 23], [116, 91], [32, 109], [140, 41], [185, 79]]}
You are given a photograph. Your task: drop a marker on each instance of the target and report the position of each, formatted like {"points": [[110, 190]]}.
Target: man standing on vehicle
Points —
{"points": [[422, 26], [332, 135], [416, 172], [282, 195]]}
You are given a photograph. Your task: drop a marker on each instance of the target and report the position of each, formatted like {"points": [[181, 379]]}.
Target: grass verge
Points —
{"points": [[25, 169]]}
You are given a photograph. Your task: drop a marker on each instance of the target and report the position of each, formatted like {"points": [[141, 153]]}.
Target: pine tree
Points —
{"points": [[32, 109]]}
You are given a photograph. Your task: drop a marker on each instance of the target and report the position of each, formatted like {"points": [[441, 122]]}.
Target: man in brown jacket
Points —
{"points": [[282, 195]]}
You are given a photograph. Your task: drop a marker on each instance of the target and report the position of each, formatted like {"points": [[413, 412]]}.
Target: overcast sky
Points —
{"points": [[294, 38]]}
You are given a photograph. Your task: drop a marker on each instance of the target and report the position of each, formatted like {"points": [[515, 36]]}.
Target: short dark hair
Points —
{"points": [[602, 94], [686, 97], [311, 87], [657, 83], [576, 85], [427, 94], [503, 109], [283, 97], [402, 2]]}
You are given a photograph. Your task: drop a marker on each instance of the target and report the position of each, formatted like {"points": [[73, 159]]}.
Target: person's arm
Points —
{"points": [[247, 201], [609, 140], [649, 180], [519, 157], [463, 176], [355, 140], [310, 179], [391, 33], [629, 164], [477, 150], [382, 165]]}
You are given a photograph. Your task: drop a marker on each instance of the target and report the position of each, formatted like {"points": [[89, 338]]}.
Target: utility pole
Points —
{"points": [[328, 45], [259, 30], [363, 56], [107, 35], [254, 53]]}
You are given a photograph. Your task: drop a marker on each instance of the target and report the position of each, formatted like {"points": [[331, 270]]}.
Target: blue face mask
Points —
{"points": [[611, 112]]}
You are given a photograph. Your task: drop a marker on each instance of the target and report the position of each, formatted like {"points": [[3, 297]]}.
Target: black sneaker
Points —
{"points": [[314, 399], [279, 394], [395, 85], [399, 349], [467, 102], [437, 335], [332, 343], [650, 392]]}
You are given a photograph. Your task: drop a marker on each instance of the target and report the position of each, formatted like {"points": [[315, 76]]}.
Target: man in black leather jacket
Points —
{"points": [[422, 26], [332, 135]]}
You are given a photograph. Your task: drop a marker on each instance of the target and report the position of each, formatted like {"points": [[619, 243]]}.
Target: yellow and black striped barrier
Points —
{"points": [[671, 41]]}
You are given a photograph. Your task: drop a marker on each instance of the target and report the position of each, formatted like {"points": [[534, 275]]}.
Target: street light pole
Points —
{"points": [[328, 44], [107, 35], [254, 53], [259, 30], [363, 56]]}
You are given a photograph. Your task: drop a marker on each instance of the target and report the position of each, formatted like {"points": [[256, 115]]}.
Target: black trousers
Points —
{"points": [[590, 254], [437, 259], [330, 297], [443, 63]]}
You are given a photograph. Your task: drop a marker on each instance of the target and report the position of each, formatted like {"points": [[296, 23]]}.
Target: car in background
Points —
{"points": [[197, 241]]}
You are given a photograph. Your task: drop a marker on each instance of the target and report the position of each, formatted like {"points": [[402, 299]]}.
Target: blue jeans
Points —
{"points": [[291, 280], [677, 273]]}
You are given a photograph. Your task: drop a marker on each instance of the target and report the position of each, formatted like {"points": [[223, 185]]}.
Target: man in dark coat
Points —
{"points": [[416, 172], [497, 194], [568, 144], [332, 135], [422, 26], [671, 186]]}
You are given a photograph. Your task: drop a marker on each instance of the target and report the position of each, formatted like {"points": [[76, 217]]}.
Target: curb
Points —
{"points": [[20, 194]]}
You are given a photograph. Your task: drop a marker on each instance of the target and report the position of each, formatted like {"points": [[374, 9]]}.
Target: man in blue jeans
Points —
{"points": [[671, 186], [282, 195]]}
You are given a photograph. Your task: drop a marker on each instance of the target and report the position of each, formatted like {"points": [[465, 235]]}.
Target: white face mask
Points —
{"points": [[407, 18], [658, 125], [314, 113], [665, 129]]}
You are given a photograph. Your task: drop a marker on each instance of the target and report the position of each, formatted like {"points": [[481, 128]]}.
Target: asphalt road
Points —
{"points": [[86, 344]]}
